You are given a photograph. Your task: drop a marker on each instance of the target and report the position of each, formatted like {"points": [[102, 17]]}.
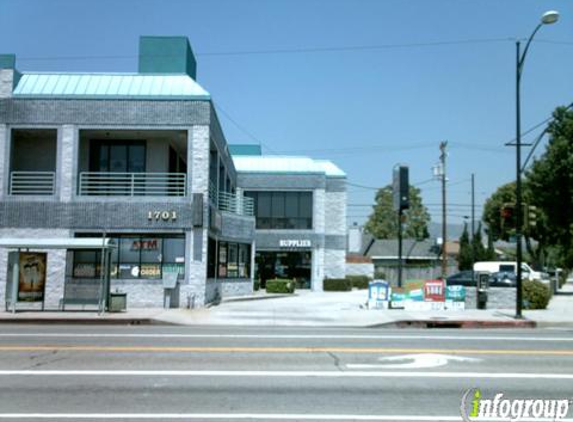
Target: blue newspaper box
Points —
{"points": [[378, 294]]}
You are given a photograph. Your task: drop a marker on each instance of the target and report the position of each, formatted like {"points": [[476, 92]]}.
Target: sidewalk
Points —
{"points": [[308, 309]]}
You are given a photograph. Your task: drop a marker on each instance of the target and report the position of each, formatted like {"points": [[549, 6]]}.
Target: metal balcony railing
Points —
{"points": [[32, 183], [231, 202], [132, 184]]}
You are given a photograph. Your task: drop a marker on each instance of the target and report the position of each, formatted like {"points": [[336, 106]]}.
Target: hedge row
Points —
{"points": [[359, 281], [337, 285], [536, 295], [280, 286]]}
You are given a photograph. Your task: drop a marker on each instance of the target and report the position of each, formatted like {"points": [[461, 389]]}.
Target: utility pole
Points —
{"points": [[473, 208], [473, 225], [443, 146]]}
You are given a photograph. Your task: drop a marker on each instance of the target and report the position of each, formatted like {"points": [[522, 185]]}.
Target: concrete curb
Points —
{"points": [[471, 324], [265, 297]]}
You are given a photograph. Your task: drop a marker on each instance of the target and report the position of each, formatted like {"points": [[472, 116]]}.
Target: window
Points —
{"points": [[117, 156], [136, 257], [233, 259], [283, 210]]}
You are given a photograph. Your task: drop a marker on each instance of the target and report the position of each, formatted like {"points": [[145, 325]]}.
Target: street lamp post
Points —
{"points": [[547, 19]]}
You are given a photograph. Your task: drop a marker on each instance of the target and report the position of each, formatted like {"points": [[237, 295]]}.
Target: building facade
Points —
{"points": [[300, 210], [138, 158]]}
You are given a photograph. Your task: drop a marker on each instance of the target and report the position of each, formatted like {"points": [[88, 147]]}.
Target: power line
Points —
{"points": [[241, 128], [553, 42], [300, 50]]}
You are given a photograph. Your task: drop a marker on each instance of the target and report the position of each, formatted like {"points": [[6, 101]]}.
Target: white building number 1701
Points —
{"points": [[162, 215]]}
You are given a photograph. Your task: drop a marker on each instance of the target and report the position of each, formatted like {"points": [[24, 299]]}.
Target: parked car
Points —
{"points": [[463, 278], [507, 266], [503, 279]]}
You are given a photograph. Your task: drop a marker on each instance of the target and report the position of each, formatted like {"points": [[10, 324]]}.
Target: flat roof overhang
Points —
{"points": [[57, 243]]}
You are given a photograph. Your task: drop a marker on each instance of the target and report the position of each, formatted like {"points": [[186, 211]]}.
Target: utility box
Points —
{"points": [[117, 302]]}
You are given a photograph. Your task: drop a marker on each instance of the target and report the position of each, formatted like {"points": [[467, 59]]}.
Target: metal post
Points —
{"points": [[519, 283], [473, 226], [15, 278], [443, 146], [400, 247]]}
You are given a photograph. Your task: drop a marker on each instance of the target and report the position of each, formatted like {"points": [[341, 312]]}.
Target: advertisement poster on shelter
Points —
{"points": [[32, 280]]}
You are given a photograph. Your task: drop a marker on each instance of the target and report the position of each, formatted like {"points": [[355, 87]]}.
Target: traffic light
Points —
{"points": [[531, 216], [507, 214]]}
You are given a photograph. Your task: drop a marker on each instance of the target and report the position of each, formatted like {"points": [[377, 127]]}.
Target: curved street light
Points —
{"points": [[548, 18]]}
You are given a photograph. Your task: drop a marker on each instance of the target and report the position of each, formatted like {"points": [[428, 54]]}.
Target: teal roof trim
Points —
{"points": [[245, 149], [117, 86], [271, 164]]}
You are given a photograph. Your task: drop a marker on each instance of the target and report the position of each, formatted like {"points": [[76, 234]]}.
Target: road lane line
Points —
{"points": [[251, 416], [225, 416], [281, 374], [234, 349], [285, 336]]}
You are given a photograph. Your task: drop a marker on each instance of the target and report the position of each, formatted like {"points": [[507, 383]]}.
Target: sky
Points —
{"points": [[367, 84]]}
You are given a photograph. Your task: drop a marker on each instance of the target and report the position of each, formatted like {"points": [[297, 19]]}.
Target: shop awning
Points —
{"points": [[57, 243]]}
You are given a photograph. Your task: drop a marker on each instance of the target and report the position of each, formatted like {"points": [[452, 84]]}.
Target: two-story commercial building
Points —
{"points": [[141, 159], [300, 209]]}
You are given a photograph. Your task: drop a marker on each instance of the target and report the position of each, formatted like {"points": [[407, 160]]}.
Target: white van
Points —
{"points": [[508, 267]]}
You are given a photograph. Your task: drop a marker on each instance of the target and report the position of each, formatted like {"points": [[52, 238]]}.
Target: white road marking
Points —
{"points": [[416, 361], [283, 374], [284, 336], [251, 416]]}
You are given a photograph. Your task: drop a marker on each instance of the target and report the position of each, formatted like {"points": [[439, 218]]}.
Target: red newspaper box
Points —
{"points": [[434, 291]]}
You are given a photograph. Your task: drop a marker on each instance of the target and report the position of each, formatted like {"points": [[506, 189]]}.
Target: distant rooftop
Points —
{"points": [[119, 86], [167, 70], [249, 159]]}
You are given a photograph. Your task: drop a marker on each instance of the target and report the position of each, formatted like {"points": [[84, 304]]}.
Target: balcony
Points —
{"points": [[32, 183], [32, 163], [231, 202], [132, 184]]}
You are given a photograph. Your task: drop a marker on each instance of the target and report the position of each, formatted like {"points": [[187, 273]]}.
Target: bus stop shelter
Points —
{"points": [[27, 269]]}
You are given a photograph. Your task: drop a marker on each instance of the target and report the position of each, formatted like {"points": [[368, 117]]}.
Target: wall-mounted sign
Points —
{"points": [[32, 277], [165, 215], [144, 245], [295, 243]]}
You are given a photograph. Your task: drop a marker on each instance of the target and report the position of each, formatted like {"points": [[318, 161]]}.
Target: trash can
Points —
{"points": [[117, 302], [482, 300]]}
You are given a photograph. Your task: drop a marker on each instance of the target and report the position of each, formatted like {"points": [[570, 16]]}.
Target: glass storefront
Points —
{"points": [[228, 260], [135, 257], [294, 265]]}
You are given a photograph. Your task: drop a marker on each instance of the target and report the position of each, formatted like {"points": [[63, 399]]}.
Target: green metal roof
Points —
{"points": [[113, 86], [285, 165], [245, 149]]}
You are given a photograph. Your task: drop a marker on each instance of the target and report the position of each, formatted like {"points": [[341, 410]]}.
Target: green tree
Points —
{"points": [[492, 212], [383, 222], [550, 182], [502, 229], [479, 250], [465, 257]]}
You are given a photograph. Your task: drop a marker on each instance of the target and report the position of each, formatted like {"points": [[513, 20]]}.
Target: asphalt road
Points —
{"points": [[229, 374]]}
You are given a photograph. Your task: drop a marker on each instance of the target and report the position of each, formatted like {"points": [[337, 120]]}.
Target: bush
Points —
{"points": [[257, 284], [536, 295], [379, 275], [563, 277], [337, 285], [279, 285], [359, 281]]}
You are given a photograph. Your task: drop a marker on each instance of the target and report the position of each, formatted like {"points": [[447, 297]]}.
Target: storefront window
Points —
{"points": [[222, 259], [136, 257], [232, 265], [233, 260]]}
